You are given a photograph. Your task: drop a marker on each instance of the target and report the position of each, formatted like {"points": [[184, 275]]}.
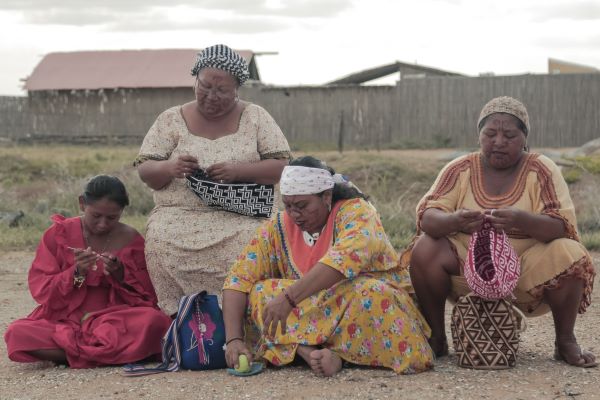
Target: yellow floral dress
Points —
{"points": [[367, 319], [539, 188]]}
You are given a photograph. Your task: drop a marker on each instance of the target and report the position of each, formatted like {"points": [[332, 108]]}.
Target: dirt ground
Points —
{"points": [[536, 376]]}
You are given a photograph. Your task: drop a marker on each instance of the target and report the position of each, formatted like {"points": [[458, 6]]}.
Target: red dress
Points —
{"points": [[103, 322]]}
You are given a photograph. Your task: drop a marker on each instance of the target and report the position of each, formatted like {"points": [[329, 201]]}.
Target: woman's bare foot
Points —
{"points": [[325, 362], [572, 354]]}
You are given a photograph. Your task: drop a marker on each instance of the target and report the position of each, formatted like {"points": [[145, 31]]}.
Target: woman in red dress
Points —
{"points": [[96, 302]]}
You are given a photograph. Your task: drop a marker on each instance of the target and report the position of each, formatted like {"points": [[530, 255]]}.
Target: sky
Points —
{"points": [[316, 41]]}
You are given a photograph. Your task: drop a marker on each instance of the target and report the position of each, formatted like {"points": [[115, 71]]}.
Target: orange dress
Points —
{"points": [[540, 189]]}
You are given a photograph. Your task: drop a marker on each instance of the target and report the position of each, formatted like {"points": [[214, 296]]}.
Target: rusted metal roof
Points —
{"points": [[113, 69]]}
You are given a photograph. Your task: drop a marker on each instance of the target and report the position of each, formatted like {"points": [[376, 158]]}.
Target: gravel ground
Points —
{"points": [[536, 376]]}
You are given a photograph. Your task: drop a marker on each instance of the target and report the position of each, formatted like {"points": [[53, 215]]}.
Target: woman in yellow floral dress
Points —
{"points": [[321, 281]]}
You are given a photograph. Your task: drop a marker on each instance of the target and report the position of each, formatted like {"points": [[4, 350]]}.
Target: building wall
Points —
{"points": [[563, 67], [14, 116], [438, 111], [123, 114]]}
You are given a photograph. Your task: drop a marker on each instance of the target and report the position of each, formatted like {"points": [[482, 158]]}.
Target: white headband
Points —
{"points": [[298, 180]]}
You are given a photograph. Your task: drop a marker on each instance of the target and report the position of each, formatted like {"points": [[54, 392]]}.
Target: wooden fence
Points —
{"points": [[433, 111], [441, 111]]}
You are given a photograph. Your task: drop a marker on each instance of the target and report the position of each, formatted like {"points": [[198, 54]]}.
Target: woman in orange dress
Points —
{"points": [[523, 194]]}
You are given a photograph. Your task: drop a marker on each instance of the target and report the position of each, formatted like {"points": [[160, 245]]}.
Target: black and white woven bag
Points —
{"points": [[251, 199]]}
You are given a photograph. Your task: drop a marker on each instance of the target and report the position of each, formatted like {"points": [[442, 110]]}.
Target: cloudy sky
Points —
{"points": [[316, 40]]}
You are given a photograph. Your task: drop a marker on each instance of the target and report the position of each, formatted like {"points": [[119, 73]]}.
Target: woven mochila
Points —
{"points": [[485, 333], [492, 268]]}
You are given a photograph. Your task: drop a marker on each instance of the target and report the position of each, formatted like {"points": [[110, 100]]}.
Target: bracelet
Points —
{"points": [[289, 299], [231, 340]]}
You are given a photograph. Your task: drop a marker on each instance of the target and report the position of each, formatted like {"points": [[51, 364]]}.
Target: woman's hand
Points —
{"points": [[468, 221], [85, 259], [275, 313], [233, 351], [506, 219], [113, 266], [181, 166], [223, 172]]}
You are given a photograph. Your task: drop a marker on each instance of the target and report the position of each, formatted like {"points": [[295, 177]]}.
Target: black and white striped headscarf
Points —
{"points": [[222, 57]]}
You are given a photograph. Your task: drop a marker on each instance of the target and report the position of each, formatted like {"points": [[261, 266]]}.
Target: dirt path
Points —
{"points": [[536, 376]]}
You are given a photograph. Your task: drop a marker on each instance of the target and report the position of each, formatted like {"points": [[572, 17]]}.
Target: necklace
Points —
{"points": [[311, 238], [88, 243]]}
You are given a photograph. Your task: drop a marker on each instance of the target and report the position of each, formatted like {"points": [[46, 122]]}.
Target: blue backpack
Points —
{"points": [[195, 340]]}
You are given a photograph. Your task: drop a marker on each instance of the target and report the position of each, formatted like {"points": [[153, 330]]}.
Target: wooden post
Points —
{"points": [[341, 133]]}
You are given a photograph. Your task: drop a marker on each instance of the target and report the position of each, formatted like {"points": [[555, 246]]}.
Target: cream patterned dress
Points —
{"points": [[190, 246]]}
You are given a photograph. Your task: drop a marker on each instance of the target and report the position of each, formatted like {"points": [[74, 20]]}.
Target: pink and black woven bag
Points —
{"points": [[493, 267]]}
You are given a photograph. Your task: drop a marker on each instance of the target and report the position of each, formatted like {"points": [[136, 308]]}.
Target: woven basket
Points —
{"points": [[485, 333]]}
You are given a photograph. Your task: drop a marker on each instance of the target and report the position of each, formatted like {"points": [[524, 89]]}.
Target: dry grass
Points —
{"points": [[43, 180]]}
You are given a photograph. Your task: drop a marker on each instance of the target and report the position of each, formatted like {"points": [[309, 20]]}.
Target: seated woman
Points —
{"points": [[325, 274], [97, 305], [521, 193]]}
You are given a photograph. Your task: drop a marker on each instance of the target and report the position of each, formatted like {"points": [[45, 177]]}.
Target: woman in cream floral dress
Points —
{"points": [[190, 246]]}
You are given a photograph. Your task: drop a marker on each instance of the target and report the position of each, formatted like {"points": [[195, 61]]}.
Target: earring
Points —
{"points": [[329, 207]]}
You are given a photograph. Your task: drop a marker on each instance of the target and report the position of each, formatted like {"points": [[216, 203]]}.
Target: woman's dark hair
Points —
{"points": [[105, 186], [341, 191], [520, 124]]}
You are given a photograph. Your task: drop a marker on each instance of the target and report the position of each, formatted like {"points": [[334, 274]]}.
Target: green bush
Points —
{"points": [[590, 164], [572, 175]]}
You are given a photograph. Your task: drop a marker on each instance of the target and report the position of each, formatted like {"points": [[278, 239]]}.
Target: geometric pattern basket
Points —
{"points": [[251, 199], [485, 333]]}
